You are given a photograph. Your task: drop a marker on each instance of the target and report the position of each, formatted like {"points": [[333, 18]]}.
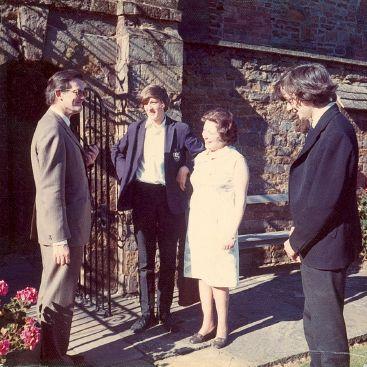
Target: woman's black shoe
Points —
{"points": [[219, 342], [199, 338]]}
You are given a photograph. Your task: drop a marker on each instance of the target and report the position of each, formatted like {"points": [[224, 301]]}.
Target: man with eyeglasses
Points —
{"points": [[326, 233], [62, 210]]}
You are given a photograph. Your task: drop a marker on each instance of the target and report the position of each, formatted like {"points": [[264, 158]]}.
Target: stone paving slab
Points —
{"points": [[265, 323]]}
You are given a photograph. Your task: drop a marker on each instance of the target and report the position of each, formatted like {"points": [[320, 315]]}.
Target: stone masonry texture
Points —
{"points": [[207, 53]]}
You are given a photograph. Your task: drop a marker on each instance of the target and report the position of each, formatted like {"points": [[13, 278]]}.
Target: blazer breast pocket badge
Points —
{"points": [[176, 156]]}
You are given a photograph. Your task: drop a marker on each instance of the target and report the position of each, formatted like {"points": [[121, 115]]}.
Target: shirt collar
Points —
{"points": [[151, 123], [319, 112], [65, 118], [217, 153]]}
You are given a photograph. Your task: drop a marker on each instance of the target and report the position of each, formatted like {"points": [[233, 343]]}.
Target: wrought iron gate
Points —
{"points": [[97, 274]]}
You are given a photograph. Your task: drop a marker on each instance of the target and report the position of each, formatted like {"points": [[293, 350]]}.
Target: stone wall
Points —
{"points": [[37, 39], [241, 80], [207, 53], [335, 28], [269, 137], [150, 50]]}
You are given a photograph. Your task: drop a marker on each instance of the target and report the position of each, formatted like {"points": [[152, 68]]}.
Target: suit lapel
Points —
{"points": [[140, 136], [169, 134], [67, 130], [313, 135]]}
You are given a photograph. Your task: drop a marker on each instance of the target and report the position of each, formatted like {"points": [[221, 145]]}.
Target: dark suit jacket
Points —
{"points": [[127, 154], [322, 195]]}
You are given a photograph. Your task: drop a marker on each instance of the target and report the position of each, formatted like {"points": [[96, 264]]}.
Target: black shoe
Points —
{"points": [[167, 322], [220, 343], [199, 338], [143, 323]]}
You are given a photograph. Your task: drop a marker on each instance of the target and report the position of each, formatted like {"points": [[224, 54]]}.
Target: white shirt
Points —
{"points": [[67, 122], [151, 167], [318, 113]]}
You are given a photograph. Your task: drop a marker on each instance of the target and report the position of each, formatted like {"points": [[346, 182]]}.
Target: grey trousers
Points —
{"points": [[56, 301], [323, 319]]}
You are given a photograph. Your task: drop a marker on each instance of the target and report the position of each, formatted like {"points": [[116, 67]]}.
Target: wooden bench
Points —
{"points": [[258, 240]]}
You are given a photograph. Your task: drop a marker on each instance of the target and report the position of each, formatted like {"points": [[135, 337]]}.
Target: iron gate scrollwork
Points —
{"points": [[98, 270]]}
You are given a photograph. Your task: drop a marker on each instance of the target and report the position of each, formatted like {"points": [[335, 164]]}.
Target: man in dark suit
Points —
{"points": [[150, 162], [326, 233]]}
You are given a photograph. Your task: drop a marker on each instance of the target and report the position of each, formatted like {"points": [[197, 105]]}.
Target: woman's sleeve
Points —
{"points": [[240, 185]]}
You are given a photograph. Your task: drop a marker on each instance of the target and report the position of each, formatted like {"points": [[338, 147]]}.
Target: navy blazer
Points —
{"points": [[128, 152], [322, 195]]}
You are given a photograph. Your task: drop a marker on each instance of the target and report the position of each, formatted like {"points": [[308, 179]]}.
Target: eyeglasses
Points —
{"points": [[77, 92]]}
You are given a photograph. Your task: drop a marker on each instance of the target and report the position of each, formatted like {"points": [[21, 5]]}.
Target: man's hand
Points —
{"points": [[290, 252], [90, 154], [61, 254], [181, 178]]}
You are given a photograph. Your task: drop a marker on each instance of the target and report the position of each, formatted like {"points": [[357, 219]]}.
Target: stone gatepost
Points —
{"points": [[150, 50]]}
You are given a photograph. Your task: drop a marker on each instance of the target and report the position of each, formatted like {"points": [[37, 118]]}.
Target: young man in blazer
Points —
{"points": [[63, 211], [150, 162], [326, 233]]}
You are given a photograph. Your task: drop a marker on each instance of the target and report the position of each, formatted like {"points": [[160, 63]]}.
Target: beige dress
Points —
{"points": [[218, 180]]}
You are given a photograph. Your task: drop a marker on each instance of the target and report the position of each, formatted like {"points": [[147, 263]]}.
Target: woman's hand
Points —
{"points": [[230, 243]]}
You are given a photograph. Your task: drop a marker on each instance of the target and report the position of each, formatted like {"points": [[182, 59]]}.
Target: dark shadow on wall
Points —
{"points": [[26, 83], [210, 81], [68, 44]]}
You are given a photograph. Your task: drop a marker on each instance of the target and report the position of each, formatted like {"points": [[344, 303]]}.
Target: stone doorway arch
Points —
{"points": [[25, 105]]}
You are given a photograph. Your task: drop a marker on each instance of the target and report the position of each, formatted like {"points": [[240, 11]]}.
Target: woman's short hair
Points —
{"points": [[60, 81], [308, 83], [154, 91], [227, 128]]}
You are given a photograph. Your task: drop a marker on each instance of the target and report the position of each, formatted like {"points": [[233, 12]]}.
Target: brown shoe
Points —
{"points": [[199, 338]]}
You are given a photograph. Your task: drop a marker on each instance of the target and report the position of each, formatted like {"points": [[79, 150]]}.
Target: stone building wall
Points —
{"points": [[269, 137], [207, 53], [242, 80], [37, 39], [328, 27]]}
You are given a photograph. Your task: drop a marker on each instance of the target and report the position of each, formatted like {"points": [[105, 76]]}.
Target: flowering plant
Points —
{"points": [[17, 330]]}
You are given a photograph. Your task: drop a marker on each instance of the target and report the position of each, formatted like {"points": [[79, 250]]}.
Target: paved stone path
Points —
{"points": [[265, 322]]}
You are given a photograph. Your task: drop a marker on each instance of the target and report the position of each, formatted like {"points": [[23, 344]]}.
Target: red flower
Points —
{"points": [[27, 295], [4, 347], [3, 288], [31, 336], [30, 321]]}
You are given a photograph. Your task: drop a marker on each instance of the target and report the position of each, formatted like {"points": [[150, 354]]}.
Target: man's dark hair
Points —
{"points": [[60, 81], [154, 91], [226, 127], [309, 83]]}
